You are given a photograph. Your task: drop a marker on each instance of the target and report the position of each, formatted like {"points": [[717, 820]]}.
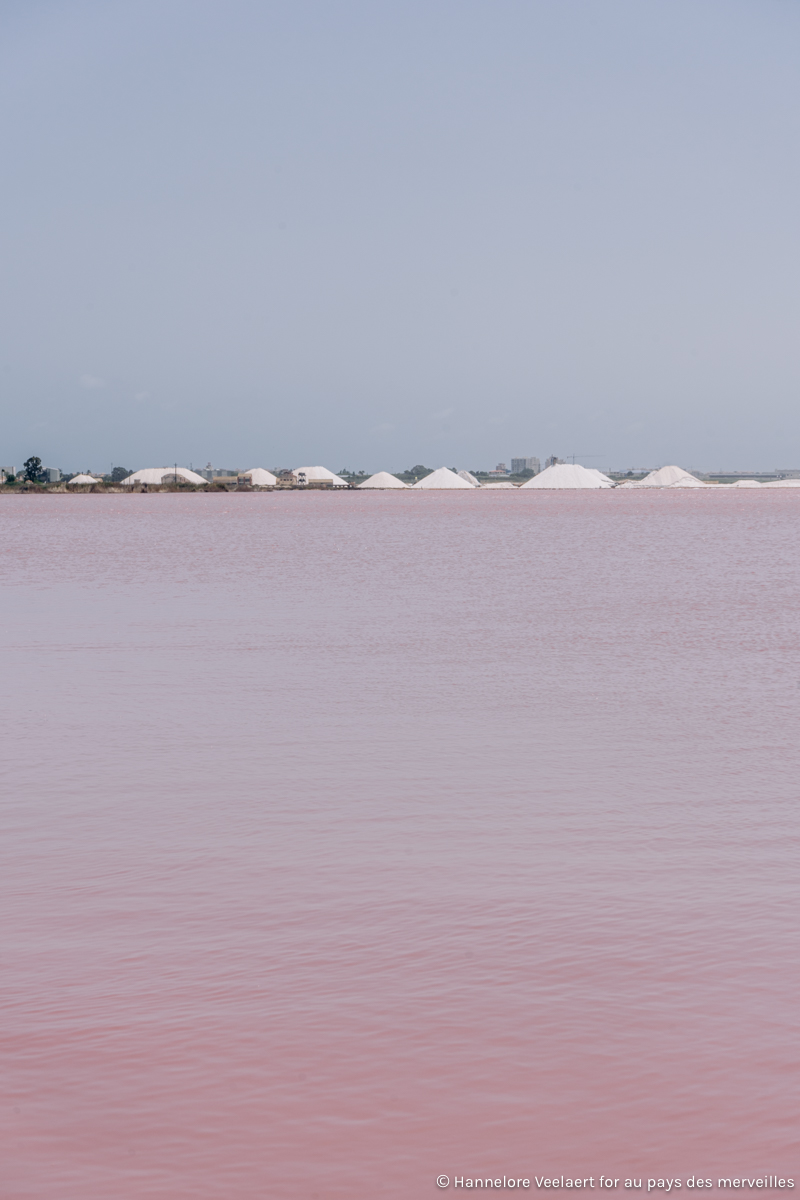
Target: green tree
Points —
{"points": [[32, 468], [415, 473], [120, 473]]}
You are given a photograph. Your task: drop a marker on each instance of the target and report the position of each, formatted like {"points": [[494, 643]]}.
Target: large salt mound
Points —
{"points": [[782, 483], [82, 480], [383, 480], [155, 475], [665, 477], [470, 478], [441, 479], [567, 475], [260, 477], [317, 474]]}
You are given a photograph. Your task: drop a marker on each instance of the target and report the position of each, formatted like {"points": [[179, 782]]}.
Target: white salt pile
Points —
{"points": [[488, 487], [157, 475], [441, 480], [383, 480], [470, 478], [664, 477], [259, 477], [81, 480], [319, 474], [567, 475]]}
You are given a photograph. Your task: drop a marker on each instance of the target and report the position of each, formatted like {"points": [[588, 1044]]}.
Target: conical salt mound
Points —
{"points": [[665, 477], [383, 480], [260, 477], [470, 478], [158, 475], [443, 479], [319, 475], [567, 475]]}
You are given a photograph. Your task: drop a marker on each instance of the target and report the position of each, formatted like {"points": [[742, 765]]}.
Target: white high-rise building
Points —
{"points": [[518, 465]]}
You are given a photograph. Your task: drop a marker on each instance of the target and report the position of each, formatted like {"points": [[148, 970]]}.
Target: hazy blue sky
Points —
{"points": [[370, 233]]}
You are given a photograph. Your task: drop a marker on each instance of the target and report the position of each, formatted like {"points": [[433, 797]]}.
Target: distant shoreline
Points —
{"points": [[156, 489]]}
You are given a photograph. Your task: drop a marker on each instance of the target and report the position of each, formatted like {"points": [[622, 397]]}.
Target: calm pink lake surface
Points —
{"points": [[351, 840]]}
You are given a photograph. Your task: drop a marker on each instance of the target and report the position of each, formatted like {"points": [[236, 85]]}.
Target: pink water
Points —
{"points": [[349, 840]]}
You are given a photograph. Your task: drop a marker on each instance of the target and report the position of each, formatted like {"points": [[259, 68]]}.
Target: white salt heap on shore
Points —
{"points": [[568, 475], [442, 480], [81, 480], [260, 477], [382, 481], [665, 477], [157, 475], [319, 475]]}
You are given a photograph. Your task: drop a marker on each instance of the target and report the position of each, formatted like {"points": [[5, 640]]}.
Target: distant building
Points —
{"points": [[210, 473], [518, 465], [500, 469], [552, 461], [51, 474]]}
